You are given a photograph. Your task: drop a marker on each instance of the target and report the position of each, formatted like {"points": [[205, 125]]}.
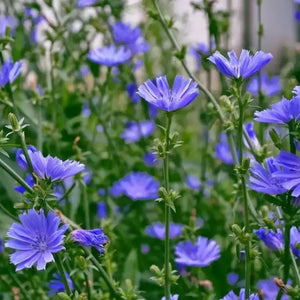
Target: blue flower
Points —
{"points": [[160, 94], [153, 111], [263, 181], [232, 278], [232, 296], [130, 36], [281, 112], [295, 241], [7, 21], [157, 230], [290, 172], [102, 192], [52, 167], [150, 159], [20, 158], [35, 239], [134, 131], [110, 55], [86, 111], [85, 3], [223, 152], [193, 182], [56, 285], [94, 238], [29, 180], [249, 127], [242, 67], [10, 71], [1, 246], [101, 210], [137, 186], [269, 290], [131, 89], [269, 86], [201, 254], [273, 241], [172, 297]]}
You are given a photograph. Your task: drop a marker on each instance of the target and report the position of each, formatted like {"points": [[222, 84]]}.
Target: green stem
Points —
{"points": [[25, 151], [39, 129], [88, 287], [62, 273], [9, 214], [67, 193], [86, 205], [104, 275], [15, 176], [167, 207]]}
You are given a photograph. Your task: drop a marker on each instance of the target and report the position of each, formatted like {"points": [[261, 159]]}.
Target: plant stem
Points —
{"points": [[15, 176], [167, 206], [25, 151], [86, 205], [9, 214], [88, 287], [244, 190], [104, 275], [62, 273]]}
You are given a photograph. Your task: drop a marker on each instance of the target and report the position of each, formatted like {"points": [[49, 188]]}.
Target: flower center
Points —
{"points": [[40, 243]]}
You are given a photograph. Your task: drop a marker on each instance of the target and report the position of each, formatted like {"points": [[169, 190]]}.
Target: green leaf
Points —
{"points": [[131, 270]]}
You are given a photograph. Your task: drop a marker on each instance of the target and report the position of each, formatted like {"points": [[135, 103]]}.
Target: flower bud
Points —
{"points": [[14, 122]]}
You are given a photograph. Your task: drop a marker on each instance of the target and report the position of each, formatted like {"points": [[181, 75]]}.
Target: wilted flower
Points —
{"points": [[269, 86], [281, 112], [56, 285], [10, 71], [110, 55], [163, 97], [262, 180], [85, 3], [134, 131], [35, 239], [52, 167], [201, 254], [94, 238], [137, 186], [272, 240], [243, 67], [158, 230], [231, 296], [289, 174], [193, 182]]}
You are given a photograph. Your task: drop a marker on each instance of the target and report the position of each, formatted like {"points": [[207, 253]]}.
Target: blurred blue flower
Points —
{"points": [[10, 71], [102, 192], [232, 278], [289, 174], [145, 248], [136, 186], [193, 182], [232, 296], [131, 89], [35, 239], [52, 167], [272, 240], [153, 111], [1, 246], [280, 112], [263, 181], [134, 131], [56, 285], [297, 15], [101, 210], [94, 238], [159, 93], [8, 21], [110, 55], [157, 230], [269, 86], [84, 70], [244, 66], [86, 111], [249, 127], [130, 36], [270, 290], [223, 152], [29, 180], [85, 3], [201, 254], [150, 159], [295, 241], [172, 297]]}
